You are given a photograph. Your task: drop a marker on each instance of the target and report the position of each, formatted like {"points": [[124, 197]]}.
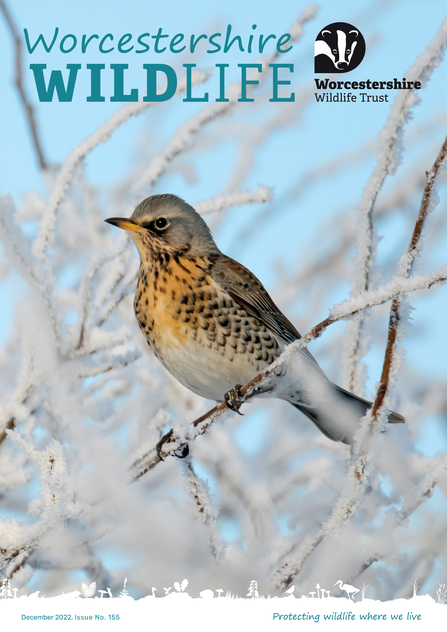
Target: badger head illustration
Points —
{"points": [[339, 47]]}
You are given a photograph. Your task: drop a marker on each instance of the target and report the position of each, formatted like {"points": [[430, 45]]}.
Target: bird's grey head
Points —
{"points": [[167, 223]]}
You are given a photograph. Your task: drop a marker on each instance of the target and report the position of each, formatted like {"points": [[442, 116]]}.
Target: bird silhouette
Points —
{"points": [[349, 590], [290, 591]]}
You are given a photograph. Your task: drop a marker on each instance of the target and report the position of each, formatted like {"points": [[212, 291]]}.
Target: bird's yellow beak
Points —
{"points": [[125, 224]]}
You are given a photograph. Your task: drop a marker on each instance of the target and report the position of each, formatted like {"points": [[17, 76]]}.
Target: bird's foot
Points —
{"points": [[181, 452], [233, 399]]}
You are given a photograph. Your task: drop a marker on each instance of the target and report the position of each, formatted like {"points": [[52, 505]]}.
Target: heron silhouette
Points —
{"points": [[349, 590]]}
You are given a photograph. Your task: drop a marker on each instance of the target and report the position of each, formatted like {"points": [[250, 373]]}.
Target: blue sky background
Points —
{"points": [[396, 32]]}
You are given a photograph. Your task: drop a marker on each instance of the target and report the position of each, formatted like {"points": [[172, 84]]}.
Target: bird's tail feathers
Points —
{"points": [[340, 422], [364, 404]]}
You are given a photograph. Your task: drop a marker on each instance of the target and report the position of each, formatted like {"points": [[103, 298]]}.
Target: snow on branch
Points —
{"points": [[353, 493], [199, 493], [395, 519], [112, 258], [29, 110], [396, 287], [296, 28], [183, 137], [173, 441], [390, 365], [221, 202], [31, 270], [388, 159], [100, 135], [56, 501]]}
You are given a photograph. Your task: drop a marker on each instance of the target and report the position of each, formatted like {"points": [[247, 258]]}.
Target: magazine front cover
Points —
{"points": [[222, 335]]}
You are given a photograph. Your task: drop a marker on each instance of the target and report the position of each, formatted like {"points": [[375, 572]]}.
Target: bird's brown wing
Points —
{"points": [[246, 290]]}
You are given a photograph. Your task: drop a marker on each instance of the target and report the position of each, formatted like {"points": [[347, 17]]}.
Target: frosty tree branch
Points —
{"points": [[199, 494], [29, 110], [182, 139], [405, 269], [388, 159], [100, 135], [173, 441], [352, 496], [220, 202], [418, 496]]}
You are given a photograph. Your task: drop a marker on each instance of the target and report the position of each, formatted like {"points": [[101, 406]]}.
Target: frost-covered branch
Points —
{"points": [[100, 135], [220, 202], [388, 159], [199, 493], [253, 137], [55, 502], [405, 268], [29, 110], [398, 518], [183, 137], [353, 493], [172, 441], [31, 270]]}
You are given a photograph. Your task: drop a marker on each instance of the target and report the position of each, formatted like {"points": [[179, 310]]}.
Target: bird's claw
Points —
{"points": [[181, 452], [233, 399]]}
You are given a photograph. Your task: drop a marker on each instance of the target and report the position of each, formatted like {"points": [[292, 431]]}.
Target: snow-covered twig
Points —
{"points": [[220, 202], [414, 500], [197, 489], [184, 135], [405, 268], [100, 135], [170, 442], [15, 248], [103, 257], [352, 495], [29, 110], [388, 159]]}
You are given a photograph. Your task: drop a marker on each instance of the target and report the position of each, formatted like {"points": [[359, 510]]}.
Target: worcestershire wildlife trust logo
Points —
{"points": [[339, 47]]}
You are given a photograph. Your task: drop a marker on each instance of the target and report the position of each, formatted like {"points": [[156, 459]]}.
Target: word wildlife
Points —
{"points": [[158, 42]]}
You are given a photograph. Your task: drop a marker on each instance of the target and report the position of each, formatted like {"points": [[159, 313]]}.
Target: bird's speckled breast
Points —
{"points": [[204, 338]]}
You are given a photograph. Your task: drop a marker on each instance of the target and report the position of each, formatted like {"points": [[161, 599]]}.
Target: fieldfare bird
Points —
{"points": [[213, 325]]}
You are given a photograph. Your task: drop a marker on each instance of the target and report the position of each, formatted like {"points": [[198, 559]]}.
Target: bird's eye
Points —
{"points": [[161, 223]]}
